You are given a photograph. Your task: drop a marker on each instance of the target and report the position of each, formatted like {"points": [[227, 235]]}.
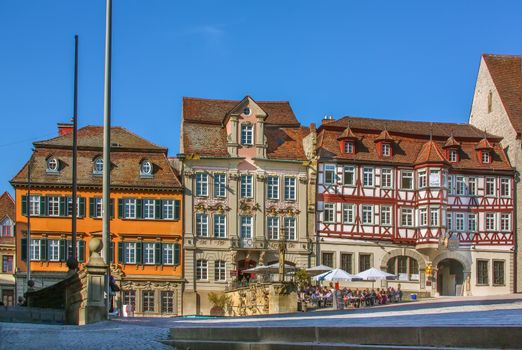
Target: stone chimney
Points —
{"points": [[65, 128]]}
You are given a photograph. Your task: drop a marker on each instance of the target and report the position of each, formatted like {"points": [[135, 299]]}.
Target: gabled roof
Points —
{"points": [[430, 153], [7, 206], [384, 136], [484, 144], [347, 135], [506, 72], [451, 142]]}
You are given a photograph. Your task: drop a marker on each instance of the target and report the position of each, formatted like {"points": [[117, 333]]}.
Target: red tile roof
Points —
{"points": [[7, 206], [286, 143], [384, 136], [484, 144], [347, 134], [506, 72], [430, 153], [451, 142]]}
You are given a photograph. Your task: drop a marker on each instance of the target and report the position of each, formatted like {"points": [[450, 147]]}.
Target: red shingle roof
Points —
{"points": [[384, 136], [7, 206], [347, 135], [430, 153], [451, 142]]}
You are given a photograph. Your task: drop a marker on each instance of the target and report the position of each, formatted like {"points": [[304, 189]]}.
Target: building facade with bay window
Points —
{"points": [[430, 202], [145, 209], [245, 178]]}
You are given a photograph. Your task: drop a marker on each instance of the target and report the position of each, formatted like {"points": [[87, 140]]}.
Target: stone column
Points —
{"points": [[260, 137], [233, 144]]}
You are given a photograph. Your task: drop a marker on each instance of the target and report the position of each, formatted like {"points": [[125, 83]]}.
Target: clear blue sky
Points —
{"points": [[394, 59]]}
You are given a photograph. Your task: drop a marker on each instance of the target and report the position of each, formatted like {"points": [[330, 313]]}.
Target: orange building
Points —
{"points": [[146, 226]]}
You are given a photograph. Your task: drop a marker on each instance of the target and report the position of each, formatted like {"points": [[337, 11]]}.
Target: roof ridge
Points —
{"points": [[227, 100]]}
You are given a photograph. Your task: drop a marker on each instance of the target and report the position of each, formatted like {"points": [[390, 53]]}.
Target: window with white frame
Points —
{"points": [[434, 217], [246, 226], [348, 147], [386, 178], [149, 253], [69, 206], [367, 214], [386, 215], [505, 222], [386, 149], [434, 179], [472, 186], [220, 185], [368, 177], [348, 213], [486, 158], [272, 187], [329, 212], [451, 188], [220, 226], [53, 206], [220, 271], [53, 253], [453, 156], [472, 222], [247, 182], [201, 225], [34, 205], [201, 184], [490, 186], [407, 217], [130, 253], [247, 134], [98, 207], [149, 208], [423, 217], [36, 249], [168, 209], [129, 208], [349, 175], [407, 180], [98, 166], [449, 221], [459, 222], [330, 178], [290, 228], [167, 254], [201, 269], [423, 178], [272, 227], [505, 188], [290, 187], [445, 178], [490, 222], [460, 185]]}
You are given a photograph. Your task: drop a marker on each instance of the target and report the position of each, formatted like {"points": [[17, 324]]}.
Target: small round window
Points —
{"points": [[146, 167], [247, 111], [52, 164], [98, 165]]}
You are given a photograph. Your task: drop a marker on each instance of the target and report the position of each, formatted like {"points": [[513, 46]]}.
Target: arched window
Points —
{"points": [[146, 168], [407, 268], [53, 165], [98, 166]]}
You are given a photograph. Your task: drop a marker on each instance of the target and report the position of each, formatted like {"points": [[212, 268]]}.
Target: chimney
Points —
{"points": [[327, 119], [65, 128]]}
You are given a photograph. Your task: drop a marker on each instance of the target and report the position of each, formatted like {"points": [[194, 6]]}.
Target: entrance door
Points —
{"points": [[450, 277], [8, 297]]}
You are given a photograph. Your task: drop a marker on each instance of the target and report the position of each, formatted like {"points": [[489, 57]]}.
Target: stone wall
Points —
{"points": [[262, 299]]}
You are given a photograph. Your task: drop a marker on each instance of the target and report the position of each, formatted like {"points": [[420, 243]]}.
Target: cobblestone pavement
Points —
{"points": [[145, 333]]}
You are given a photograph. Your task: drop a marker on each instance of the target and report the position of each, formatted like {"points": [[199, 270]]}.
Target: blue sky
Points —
{"points": [[392, 59]]}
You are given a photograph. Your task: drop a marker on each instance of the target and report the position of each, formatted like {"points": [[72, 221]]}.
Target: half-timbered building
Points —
{"points": [[430, 202]]}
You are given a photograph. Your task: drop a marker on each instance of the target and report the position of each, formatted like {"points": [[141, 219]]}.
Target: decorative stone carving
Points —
{"points": [[261, 177], [303, 179], [189, 174], [248, 207], [233, 176], [200, 207]]}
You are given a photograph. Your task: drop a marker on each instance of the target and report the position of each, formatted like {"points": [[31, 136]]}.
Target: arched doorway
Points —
{"points": [[450, 277]]}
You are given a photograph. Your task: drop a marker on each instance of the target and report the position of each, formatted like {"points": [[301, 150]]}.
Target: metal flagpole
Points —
{"points": [[106, 235]]}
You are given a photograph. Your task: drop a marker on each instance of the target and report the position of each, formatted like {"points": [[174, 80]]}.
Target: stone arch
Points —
{"points": [[403, 252], [466, 262]]}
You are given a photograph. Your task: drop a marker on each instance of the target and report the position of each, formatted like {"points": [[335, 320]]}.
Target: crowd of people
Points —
{"points": [[322, 296]]}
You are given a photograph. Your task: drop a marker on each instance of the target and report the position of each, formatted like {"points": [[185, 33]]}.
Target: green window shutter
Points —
{"points": [[120, 208], [139, 208], [139, 253], [157, 247], [24, 205], [81, 250], [62, 250], [91, 207], [23, 253], [177, 209], [177, 253], [81, 206], [43, 206], [43, 246], [111, 206], [120, 252], [111, 251], [157, 207], [63, 207]]}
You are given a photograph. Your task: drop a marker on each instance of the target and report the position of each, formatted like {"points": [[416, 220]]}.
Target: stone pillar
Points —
{"points": [[233, 144], [260, 137]]}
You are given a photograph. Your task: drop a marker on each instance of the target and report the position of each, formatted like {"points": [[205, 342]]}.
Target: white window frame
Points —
{"points": [[386, 215], [272, 187], [35, 249], [486, 157], [149, 209], [407, 174], [472, 222], [220, 185], [347, 170], [129, 208], [247, 184], [329, 208], [459, 222], [387, 178], [423, 178], [290, 226], [272, 227], [149, 253], [220, 271], [348, 213], [505, 187], [167, 209], [453, 156], [97, 168], [434, 174], [386, 149], [201, 225], [202, 270], [487, 182], [53, 250], [201, 184], [330, 169], [246, 226], [505, 222], [348, 147], [472, 186], [53, 206], [434, 217], [290, 188], [423, 217], [34, 205], [368, 177], [490, 222], [449, 221], [130, 253], [220, 226], [407, 217], [460, 185], [167, 253], [367, 211], [247, 134]]}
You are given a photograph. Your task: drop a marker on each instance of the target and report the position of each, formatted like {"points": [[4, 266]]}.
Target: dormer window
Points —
{"points": [[486, 157], [247, 111], [53, 165], [348, 147], [146, 168], [98, 166], [453, 156], [386, 150], [247, 134]]}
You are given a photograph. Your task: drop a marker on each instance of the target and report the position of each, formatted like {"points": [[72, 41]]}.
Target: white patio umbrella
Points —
{"points": [[375, 274], [257, 269], [335, 275], [274, 268], [318, 269]]}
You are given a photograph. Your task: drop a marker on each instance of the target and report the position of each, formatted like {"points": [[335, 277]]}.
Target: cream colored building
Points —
{"points": [[497, 108], [245, 177]]}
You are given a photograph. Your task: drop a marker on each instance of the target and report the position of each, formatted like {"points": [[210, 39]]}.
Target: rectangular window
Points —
{"points": [[220, 185], [129, 208], [167, 302], [53, 206], [367, 214], [423, 178], [272, 187], [329, 212], [459, 222], [247, 134], [490, 186], [451, 189], [220, 226], [7, 264], [129, 297], [368, 177], [386, 178], [290, 229], [329, 174], [485, 157], [386, 215], [328, 259], [498, 273], [402, 264], [149, 253], [386, 149], [201, 270], [434, 178], [167, 254], [272, 227], [490, 222], [349, 176], [220, 271], [148, 300], [505, 222], [98, 207], [364, 262], [453, 156], [348, 213], [167, 209], [434, 217], [290, 188], [423, 217], [482, 272], [348, 147], [505, 190], [472, 186], [460, 185], [149, 208], [246, 226], [7, 230], [201, 184], [472, 222], [36, 249], [407, 217], [130, 253], [53, 252], [34, 205], [346, 262], [201, 225], [69, 206], [449, 221], [407, 180], [247, 182]]}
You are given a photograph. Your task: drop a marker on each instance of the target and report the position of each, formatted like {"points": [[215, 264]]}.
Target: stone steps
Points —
{"points": [[32, 315], [322, 338]]}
